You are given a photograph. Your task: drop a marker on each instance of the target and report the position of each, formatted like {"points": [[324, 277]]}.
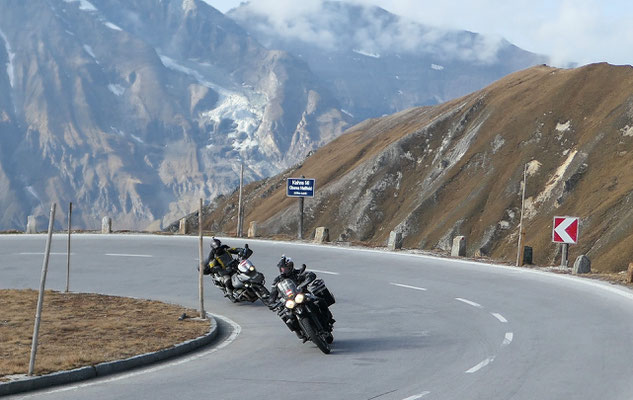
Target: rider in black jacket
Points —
{"points": [[299, 276], [221, 261]]}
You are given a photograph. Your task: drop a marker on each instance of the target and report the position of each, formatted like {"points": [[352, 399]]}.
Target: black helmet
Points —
{"points": [[286, 266], [215, 243]]}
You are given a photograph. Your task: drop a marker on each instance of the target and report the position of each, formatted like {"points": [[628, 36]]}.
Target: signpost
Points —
{"points": [[301, 188], [565, 232]]}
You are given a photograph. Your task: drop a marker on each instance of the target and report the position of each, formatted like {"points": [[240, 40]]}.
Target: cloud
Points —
{"points": [[581, 31], [341, 26]]}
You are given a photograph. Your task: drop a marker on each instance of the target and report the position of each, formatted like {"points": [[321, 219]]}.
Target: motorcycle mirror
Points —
{"points": [[303, 267]]}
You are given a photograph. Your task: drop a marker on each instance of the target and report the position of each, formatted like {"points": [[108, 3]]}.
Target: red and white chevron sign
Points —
{"points": [[565, 230]]}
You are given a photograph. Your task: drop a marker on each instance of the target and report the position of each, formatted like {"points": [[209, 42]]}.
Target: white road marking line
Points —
{"points": [[408, 286], [236, 331], [508, 339], [129, 255], [480, 365], [500, 318], [417, 396], [323, 272], [471, 303]]}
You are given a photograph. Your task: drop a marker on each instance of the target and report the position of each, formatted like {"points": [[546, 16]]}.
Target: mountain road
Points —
{"points": [[409, 326]]}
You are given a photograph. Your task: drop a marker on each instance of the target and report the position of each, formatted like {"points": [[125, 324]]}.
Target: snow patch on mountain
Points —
{"points": [[91, 53], [84, 5], [112, 26], [244, 106], [366, 53], [33, 192], [116, 89], [11, 54]]}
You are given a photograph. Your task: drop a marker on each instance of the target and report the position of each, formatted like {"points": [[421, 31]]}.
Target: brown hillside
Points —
{"points": [[436, 172]]}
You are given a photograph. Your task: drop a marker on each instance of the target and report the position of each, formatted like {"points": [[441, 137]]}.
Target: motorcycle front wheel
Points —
{"points": [[311, 332]]}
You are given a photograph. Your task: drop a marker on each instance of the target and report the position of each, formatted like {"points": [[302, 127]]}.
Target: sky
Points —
{"points": [[568, 31]]}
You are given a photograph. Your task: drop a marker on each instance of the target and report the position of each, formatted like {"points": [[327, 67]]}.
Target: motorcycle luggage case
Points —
{"points": [[318, 288]]}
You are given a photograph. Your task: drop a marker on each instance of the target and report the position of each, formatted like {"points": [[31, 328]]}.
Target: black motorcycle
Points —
{"points": [[248, 283], [304, 310]]}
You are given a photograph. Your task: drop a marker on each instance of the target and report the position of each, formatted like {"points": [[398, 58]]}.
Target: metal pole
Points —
{"points": [[203, 315], [239, 203], [70, 213], [40, 298], [300, 218], [521, 229], [564, 255]]}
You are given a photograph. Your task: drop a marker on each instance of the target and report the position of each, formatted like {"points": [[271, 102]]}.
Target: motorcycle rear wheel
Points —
{"points": [[314, 336]]}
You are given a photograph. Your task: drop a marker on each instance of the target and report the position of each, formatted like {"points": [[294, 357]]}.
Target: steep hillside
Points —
{"points": [[135, 108], [456, 169]]}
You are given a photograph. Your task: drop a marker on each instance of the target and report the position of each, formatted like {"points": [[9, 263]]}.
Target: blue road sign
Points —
{"points": [[300, 187]]}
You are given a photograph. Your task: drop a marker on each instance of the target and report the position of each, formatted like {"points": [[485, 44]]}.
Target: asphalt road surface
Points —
{"points": [[408, 326]]}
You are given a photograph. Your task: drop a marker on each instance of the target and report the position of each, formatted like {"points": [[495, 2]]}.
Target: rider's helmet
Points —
{"points": [[215, 243], [286, 266]]}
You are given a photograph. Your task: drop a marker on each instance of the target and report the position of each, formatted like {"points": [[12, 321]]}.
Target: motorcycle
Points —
{"points": [[248, 283], [304, 310]]}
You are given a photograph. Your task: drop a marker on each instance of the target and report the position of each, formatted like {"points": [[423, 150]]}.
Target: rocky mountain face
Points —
{"points": [[456, 169], [376, 63], [136, 108]]}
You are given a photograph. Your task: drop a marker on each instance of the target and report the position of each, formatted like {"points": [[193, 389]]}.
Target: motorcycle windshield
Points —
{"points": [[287, 288], [245, 266]]}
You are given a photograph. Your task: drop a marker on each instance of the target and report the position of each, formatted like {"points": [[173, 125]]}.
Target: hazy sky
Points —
{"points": [[583, 31]]}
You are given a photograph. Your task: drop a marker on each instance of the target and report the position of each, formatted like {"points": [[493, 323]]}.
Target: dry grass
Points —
{"points": [[79, 329]]}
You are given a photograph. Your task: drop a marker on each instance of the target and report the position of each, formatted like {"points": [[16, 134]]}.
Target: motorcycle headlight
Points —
{"points": [[290, 304], [252, 268], [299, 298]]}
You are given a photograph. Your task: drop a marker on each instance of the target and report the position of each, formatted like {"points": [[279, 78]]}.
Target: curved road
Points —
{"points": [[408, 326]]}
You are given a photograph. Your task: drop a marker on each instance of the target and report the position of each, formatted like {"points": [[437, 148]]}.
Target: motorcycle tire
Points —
{"points": [[311, 332]]}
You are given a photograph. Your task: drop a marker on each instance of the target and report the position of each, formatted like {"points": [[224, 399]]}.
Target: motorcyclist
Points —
{"points": [[220, 261], [287, 271], [299, 276]]}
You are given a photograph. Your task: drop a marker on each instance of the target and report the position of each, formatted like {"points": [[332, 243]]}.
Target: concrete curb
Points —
{"points": [[110, 367]]}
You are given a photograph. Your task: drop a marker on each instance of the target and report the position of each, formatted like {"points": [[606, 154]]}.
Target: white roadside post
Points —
{"points": [[40, 298], [70, 213], [240, 212], [521, 229], [203, 315]]}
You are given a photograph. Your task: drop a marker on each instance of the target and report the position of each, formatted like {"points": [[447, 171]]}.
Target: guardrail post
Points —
{"points": [[252, 229], [106, 225], [182, 228], [582, 265], [322, 234], [395, 241], [31, 224], [459, 246]]}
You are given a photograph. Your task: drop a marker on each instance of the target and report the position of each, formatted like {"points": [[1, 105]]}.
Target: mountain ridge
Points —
{"points": [[456, 169]]}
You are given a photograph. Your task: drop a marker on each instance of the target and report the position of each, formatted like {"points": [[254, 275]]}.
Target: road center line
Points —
{"points": [[408, 287], [417, 396], [499, 317], [508, 339], [480, 365], [129, 255], [323, 272], [470, 303]]}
